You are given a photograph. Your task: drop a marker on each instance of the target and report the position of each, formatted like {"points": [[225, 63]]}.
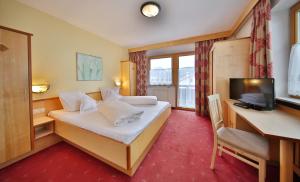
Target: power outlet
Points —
{"points": [[39, 110]]}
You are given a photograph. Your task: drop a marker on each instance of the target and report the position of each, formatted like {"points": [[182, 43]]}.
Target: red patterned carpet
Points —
{"points": [[182, 153]]}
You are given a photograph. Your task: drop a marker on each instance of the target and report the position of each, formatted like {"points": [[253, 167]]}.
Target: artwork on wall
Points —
{"points": [[89, 68]]}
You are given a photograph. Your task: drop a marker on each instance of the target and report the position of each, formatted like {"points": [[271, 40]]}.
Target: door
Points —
{"points": [[186, 82], [14, 96]]}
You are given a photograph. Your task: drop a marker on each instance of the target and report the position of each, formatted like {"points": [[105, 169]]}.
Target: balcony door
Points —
{"points": [[186, 82]]}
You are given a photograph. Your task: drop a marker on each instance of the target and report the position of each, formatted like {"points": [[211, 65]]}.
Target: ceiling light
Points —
{"points": [[150, 9]]}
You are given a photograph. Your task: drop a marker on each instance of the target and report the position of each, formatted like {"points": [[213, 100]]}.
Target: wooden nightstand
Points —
{"points": [[43, 126]]}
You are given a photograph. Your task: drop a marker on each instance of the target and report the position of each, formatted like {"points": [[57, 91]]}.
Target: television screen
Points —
{"points": [[256, 92]]}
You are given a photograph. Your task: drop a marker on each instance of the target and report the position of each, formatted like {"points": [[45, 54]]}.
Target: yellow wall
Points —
{"points": [[54, 47]]}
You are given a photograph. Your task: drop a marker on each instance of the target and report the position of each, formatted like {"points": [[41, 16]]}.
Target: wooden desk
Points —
{"points": [[282, 125]]}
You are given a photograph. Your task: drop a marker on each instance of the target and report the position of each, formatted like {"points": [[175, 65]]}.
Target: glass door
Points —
{"points": [[186, 82]]}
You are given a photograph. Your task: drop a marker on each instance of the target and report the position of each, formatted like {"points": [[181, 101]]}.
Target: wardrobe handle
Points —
{"points": [[25, 94]]}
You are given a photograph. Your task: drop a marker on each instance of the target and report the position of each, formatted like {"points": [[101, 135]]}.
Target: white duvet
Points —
{"points": [[120, 113], [94, 121]]}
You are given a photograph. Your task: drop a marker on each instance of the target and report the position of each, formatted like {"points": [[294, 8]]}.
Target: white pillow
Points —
{"points": [[110, 93], [87, 103], [70, 100]]}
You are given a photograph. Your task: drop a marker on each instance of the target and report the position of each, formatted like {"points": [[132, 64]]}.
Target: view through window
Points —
{"points": [[298, 28], [186, 82], [161, 71]]}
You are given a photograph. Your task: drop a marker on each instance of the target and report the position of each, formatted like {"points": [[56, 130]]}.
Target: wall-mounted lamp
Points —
{"points": [[40, 87], [118, 83]]}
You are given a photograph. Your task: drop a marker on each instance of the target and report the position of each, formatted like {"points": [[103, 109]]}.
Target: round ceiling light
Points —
{"points": [[150, 9]]}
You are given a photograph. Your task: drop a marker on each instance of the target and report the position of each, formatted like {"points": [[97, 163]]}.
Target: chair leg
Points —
{"points": [[262, 171], [214, 154], [220, 150]]}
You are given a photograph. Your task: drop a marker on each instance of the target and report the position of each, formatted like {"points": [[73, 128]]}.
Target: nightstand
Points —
{"points": [[43, 126]]}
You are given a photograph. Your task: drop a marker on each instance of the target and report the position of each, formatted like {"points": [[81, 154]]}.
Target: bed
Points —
{"points": [[123, 148]]}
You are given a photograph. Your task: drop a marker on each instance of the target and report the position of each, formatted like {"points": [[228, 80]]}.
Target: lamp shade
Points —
{"points": [[118, 83], [150, 9], [40, 87], [294, 71]]}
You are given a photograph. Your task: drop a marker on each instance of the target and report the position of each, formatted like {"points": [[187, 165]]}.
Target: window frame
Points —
{"points": [[175, 72], [177, 78], [172, 69], [294, 23]]}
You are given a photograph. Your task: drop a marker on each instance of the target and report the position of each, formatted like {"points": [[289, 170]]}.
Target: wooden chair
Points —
{"points": [[248, 147]]}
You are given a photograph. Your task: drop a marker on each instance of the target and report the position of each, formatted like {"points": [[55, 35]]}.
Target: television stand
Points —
{"points": [[241, 104]]}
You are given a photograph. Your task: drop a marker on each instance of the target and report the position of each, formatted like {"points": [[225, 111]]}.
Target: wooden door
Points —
{"points": [[15, 121]]}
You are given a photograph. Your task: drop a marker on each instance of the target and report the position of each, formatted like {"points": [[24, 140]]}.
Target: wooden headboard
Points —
{"points": [[53, 103]]}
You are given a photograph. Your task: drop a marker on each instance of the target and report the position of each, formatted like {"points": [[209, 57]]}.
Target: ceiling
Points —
{"points": [[121, 22]]}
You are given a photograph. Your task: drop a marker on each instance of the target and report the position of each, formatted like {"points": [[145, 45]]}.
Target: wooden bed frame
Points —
{"points": [[124, 157]]}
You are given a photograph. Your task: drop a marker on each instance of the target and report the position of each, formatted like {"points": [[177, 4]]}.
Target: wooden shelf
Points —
{"points": [[42, 120], [43, 133], [43, 126]]}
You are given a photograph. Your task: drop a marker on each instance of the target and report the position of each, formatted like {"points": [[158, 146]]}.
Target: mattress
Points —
{"points": [[94, 121]]}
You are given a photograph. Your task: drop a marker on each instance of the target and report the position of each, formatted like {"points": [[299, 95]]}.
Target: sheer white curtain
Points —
{"points": [[294, 71]]}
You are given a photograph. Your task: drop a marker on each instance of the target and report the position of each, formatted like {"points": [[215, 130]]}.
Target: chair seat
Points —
{"points": [[249, 142]]}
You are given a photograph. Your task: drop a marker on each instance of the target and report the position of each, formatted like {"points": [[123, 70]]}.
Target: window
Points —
{"points": [[294, 71], [186, 81], [161, 71], [298, 26]]}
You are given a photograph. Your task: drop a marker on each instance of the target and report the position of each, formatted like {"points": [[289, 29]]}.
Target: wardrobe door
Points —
{"points": [[132, 79], [128, 78], [230, 59], [125, 78], [15, 96]]}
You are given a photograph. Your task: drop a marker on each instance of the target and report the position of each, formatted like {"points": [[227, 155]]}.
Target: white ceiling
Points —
{"points": [[120, 21]]}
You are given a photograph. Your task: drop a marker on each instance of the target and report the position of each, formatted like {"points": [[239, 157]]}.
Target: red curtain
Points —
{"points": [[260, 51], [141, 61], [202, 50]]}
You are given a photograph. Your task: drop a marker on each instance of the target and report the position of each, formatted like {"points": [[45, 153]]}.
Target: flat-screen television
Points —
{"points": [[257, 93]]}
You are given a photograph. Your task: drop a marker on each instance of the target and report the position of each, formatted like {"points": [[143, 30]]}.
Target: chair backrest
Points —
{"points": [[215, 110]]}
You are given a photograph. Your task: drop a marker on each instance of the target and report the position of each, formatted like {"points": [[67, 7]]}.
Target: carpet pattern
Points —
{"points": [[182, 153]]}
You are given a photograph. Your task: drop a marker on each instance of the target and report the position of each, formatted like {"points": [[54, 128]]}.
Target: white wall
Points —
{"points": [[54, 47], [280, 41], [245, 30]]}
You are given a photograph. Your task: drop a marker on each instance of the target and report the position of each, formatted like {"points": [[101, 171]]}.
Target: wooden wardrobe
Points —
{"points": [[15, 94], [128, 78], [228, 59]]}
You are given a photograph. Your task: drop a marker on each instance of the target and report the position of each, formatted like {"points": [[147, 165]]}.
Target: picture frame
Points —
{"points": [[88, 67]]}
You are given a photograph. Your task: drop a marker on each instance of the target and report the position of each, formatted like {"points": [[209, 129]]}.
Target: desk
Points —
{"points": [[285, 126]]}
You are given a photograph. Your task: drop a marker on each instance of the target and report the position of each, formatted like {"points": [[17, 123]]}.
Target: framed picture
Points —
{"points": [[89, 68]]}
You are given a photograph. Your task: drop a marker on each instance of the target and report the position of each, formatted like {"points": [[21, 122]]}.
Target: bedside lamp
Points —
{"points": [[41, 87], [118, 83]]}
